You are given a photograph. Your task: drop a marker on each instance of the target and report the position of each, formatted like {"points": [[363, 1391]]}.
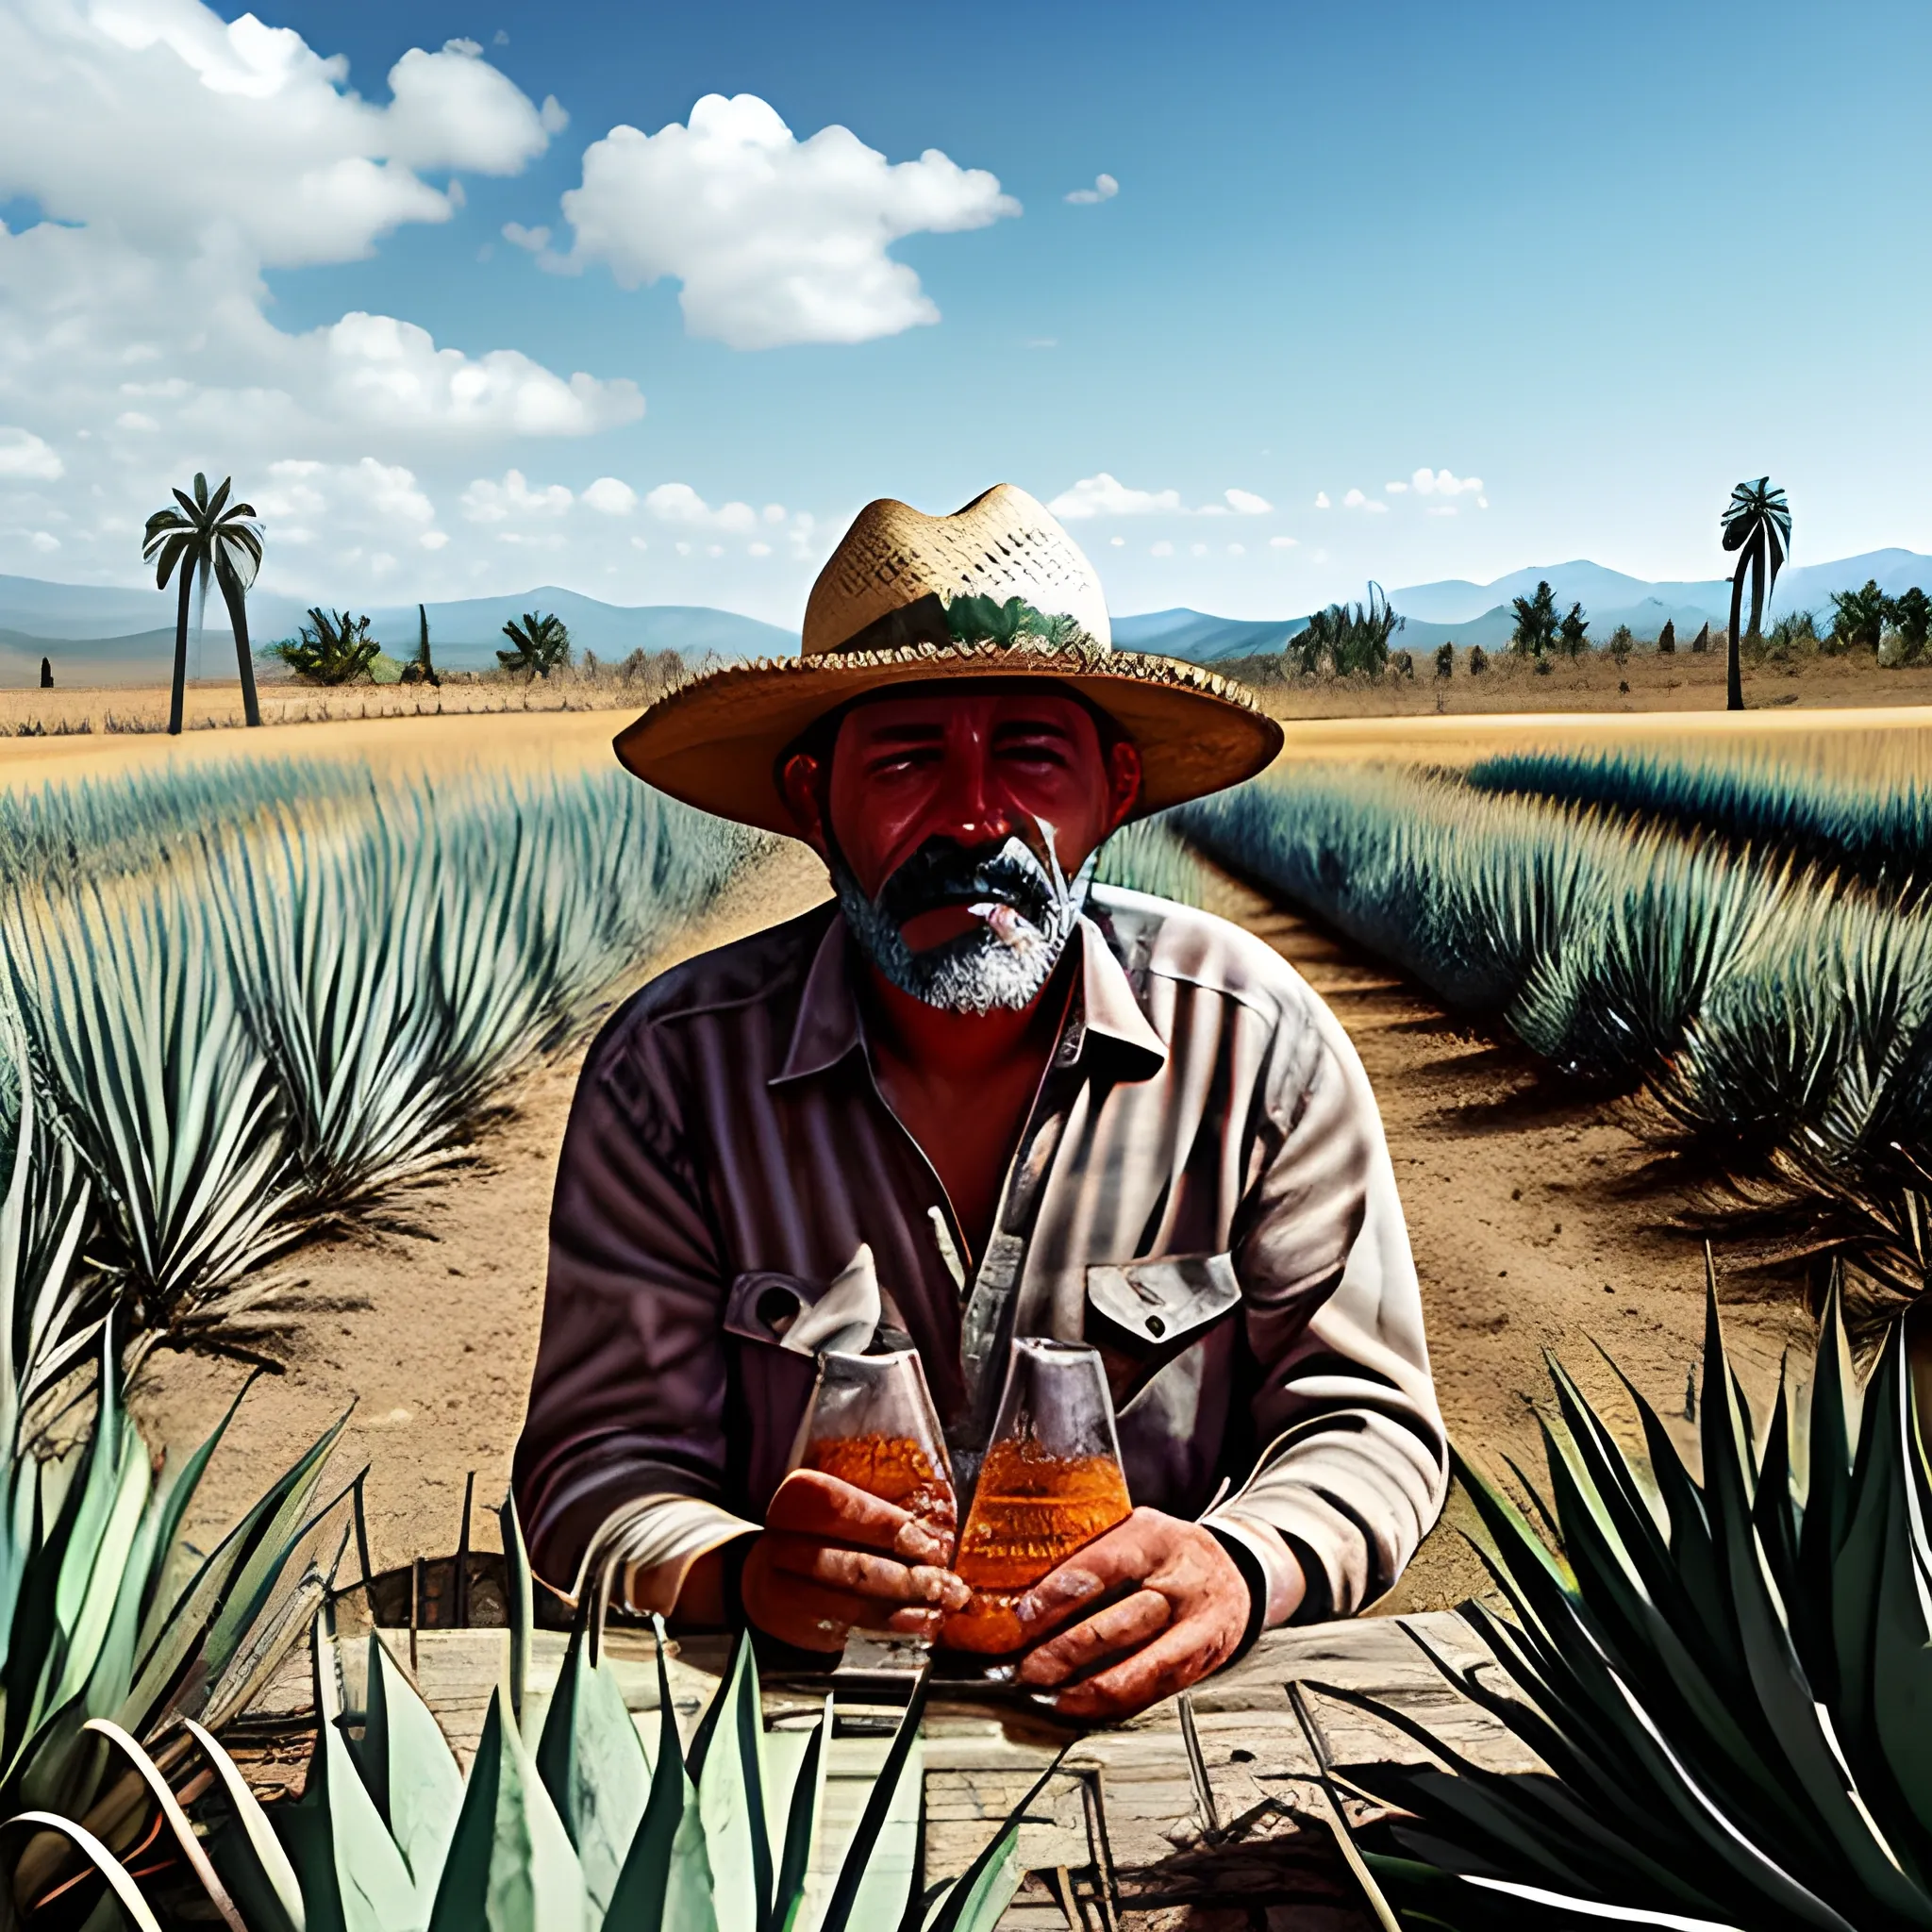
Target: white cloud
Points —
{"points": [[1441, 509], [1161, 549], [1321, 499], [268, 154], [1105, 187], [513, 500], [177, 159], [44, 542], [1106, 496], [1374, 506], [612, 496], [1445, 483], [678, 502], [307, 502], [535, 239], [1237, 549], [1395, 488], [775, 239], [1482, 503], [1118, 543], [23, 455], [1281, 542], [1354, 500], [758, 549], [1199, 549]]}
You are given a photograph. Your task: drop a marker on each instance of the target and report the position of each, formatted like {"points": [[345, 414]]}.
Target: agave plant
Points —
{"points": [[136, 1029], [1149, 856], [1725, 1672], [104, 1613], [321, 998], [1777, 1020], [566, 1820], [1869, 815], [538, 644]]}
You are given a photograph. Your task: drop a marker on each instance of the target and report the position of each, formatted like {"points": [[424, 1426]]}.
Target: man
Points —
{"points": [[970, 1098]]}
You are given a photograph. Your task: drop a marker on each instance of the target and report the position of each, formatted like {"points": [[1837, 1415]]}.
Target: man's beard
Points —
{"points": [[1026, 910]]}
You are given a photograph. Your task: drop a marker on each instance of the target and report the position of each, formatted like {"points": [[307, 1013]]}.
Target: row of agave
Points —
{"points": [[320, 999], [1777, 1020], [112, 1625], [1727, 1673], [1860, 803], [121, 1649], [565, 1822]]}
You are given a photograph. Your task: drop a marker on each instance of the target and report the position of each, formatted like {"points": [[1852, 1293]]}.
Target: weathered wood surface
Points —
{"points": [[1126, 1836]]}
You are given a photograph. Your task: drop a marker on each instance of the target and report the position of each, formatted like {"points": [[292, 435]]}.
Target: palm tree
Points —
{"points": [[1757, 525], [1535, 623], [541, 645], [206, 536]]}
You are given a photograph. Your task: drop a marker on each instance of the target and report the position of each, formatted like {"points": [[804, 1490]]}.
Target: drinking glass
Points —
{"points": [[870, 1423], [1051, 1482]]}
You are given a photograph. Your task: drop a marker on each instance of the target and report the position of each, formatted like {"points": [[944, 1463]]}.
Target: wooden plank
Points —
{"points": [[1125, 1838]]}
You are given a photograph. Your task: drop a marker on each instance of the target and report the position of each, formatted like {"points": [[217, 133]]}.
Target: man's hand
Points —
{"points": [[1185, 1620], [832, 1557]]}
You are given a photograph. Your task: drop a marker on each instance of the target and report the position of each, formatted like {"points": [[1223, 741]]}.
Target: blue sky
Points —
{"points": [[1595, 263]]}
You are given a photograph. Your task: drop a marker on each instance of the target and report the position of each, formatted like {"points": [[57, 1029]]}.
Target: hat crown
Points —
{"points": [[1001, 545]]}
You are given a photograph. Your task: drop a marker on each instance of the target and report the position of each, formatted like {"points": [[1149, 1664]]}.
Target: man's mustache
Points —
{"points": [[944, 873]]}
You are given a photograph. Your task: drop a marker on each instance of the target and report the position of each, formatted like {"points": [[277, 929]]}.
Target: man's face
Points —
{"points": [[956, 828]]}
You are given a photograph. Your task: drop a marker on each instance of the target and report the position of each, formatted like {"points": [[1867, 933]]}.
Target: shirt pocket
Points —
{"points": [[1162, 1327], [1143, 1315]]}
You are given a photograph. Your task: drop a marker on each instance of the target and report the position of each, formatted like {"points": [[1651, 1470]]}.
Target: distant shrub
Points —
{"points": [[1573, 634], [1622, 644], [1402, 665], [1445, 660], [1857, 618], [331, 648], [1351, 638], [1702, 640], [1667, 639], [1478, 660], [1795, 635]]}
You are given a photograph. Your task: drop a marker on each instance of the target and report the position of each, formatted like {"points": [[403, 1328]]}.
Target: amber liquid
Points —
{"points": [[894, 1468], [1030, 1512]]}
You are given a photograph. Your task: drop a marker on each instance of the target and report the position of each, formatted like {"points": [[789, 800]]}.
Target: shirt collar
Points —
{"points": [[827, 1027]]}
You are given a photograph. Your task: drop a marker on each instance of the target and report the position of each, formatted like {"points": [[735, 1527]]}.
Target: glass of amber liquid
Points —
{"points": [[1052, 1482], [872, 1424]]}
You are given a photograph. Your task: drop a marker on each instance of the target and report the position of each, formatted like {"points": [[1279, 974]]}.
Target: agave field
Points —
{"points": [[1774, 1013], [261, 994], [1724, 1671]]}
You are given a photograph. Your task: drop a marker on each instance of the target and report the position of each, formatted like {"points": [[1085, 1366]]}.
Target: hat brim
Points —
{"points": [[715, 741]]}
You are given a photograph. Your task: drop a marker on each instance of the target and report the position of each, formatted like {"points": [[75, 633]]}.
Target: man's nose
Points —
{"points": [[969, 806]]}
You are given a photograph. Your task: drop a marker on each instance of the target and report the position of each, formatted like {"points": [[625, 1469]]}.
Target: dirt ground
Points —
{"points": [[1531, 1230]]}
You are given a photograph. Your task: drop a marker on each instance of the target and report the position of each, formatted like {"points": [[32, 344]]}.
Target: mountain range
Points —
{"points": [[104, 635]]}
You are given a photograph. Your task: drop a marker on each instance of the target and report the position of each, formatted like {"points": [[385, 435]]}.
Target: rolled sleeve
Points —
{"points": [[1356, 1463], [627, 1398]]}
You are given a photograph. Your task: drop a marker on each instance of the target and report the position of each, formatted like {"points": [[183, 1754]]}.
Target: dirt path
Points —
{"points": [[1527, 1234], [1533, 1225]]}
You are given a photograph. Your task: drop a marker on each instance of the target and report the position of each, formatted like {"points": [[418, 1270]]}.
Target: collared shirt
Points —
{"points": [[1201, 1190]]}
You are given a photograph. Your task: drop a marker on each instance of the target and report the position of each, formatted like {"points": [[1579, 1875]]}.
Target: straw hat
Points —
{"points": [[996, 590]]}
